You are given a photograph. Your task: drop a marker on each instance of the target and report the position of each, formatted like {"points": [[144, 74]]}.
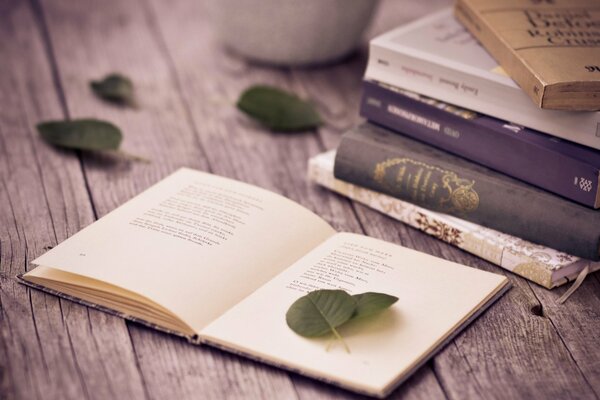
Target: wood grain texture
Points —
{"points": [[160, 129], [578, 323], [49, 348], [525, 346]]}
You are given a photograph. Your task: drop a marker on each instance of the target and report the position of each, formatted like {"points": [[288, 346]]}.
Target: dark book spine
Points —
{"points": [[378, 159], [534, 157]]}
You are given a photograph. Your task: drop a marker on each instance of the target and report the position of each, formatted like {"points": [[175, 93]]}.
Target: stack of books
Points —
{"points": [[455, 148]]}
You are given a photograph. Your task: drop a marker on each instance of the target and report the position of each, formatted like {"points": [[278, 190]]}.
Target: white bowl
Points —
{"points": [[291, 32]]}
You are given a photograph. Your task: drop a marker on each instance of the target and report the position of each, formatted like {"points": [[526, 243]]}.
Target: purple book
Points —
{"points": [[559, 166]]}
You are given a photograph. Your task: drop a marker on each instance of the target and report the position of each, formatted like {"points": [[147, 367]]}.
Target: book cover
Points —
{"points": [[550, 48], [436, 56], [560, 166], [545, 266], [387, 162]]}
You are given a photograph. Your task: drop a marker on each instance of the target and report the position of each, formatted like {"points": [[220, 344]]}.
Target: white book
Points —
{"points": [[437, 57], [542, 265], [220, 262]]}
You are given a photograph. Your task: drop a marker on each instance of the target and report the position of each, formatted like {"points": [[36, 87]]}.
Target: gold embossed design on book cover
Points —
{"points": [[551, 48], [444, 190]]}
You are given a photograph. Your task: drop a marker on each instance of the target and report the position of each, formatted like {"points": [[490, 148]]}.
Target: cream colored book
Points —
{"points": [[550, 48], [220, 262]]}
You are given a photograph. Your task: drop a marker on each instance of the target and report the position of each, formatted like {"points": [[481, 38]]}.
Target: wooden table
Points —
{"points": [[525, 346]]}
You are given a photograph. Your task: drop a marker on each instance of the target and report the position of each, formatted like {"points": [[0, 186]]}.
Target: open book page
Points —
{"points": [[435, 298], [195, 243]]}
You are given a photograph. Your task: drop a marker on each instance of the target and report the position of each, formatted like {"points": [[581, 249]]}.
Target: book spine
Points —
{"points": [[421, 75], [194, 339], [375, 158], [486, 141], [549, 48], [528, 82]]}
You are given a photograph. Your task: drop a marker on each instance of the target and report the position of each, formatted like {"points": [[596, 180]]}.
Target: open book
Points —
{"points": [[220, 262]]}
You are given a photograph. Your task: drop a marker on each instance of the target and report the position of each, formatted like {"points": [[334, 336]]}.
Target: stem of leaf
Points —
{"points": [[339, 337], [329, 342]]}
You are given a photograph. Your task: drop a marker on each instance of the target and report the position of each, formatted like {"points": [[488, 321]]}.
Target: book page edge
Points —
{"points": [[382, 392], [194, 339]]}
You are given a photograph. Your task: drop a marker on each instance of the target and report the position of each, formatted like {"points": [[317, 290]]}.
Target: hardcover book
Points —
{"points": [[550, 48], [437, 57], [219, 262], [384, 161], [545, 266], [560, 166]]}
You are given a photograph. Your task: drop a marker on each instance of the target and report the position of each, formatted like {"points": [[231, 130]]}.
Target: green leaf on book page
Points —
{"points": [[115, 88], [320, 312], [371, 303], [81, 134], [278, 110]]}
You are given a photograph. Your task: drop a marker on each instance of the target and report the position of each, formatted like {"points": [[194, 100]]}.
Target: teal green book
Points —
{"points": [[376, 158]]}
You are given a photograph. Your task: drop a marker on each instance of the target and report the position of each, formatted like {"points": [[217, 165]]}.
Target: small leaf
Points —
{"points": [[320, 312], [81, 134], [371, 303], [115, 88], [278, 110]]}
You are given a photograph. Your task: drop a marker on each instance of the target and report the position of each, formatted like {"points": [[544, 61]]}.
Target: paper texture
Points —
{"points": [[435, 297], [195, 243]]}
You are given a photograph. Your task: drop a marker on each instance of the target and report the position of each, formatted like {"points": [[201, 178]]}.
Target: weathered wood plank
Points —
{"points": [[578, 323], [203, 372], [421, 386], [44, 201], [91, 39]]}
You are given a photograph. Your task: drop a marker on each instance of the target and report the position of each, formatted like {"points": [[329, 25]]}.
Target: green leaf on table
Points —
{"points": [[115, 88], [81, 134], [85, 134], [278, 110], [371, 303]]}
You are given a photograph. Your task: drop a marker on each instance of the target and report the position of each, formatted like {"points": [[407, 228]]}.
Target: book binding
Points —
{"points": [[542, 265], [437, 57], [562, 167], [384, 161], [551, 49], [194, 339]]}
